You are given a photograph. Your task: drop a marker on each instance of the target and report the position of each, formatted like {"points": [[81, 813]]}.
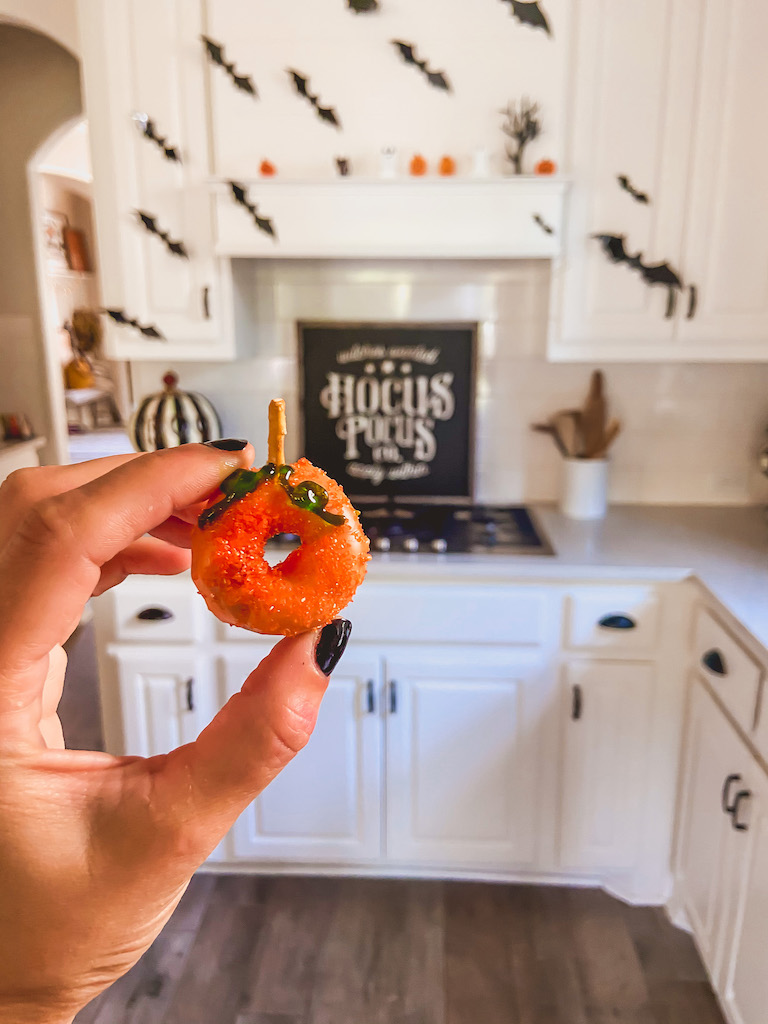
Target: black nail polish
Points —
{"points": [[330, 646], [228, 444]]}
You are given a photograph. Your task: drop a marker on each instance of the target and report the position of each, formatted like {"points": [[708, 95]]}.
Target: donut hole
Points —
{"points": [[279, 546]]}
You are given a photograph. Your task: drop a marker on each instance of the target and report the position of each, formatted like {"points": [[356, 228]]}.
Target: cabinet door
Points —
{"points": [[746, 977], [712, 775], [606, 717], [325, 805], [167, 697], [463, 731], [726, 251], [633, 82], [143, 57]]}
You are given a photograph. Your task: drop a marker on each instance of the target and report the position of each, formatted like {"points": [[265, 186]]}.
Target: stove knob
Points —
{"points": [[439, 544], [382, 544], [411, 544]]}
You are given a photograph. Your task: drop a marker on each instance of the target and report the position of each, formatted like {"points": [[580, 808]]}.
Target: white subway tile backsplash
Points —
{"points": [[691, 433]]}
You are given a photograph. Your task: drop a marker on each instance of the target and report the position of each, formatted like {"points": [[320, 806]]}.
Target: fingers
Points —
{"points": [[202, 787], [147, 556], [53, 562]]}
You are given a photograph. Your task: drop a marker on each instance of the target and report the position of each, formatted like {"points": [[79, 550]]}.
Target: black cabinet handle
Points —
{"points": [[576, 702], [714, 660], [190, 694], [206, 303], [693, 301], [369, 697], [617, 622], [671, 303], [155, 614], [725, 798], [392, 697], [740, 826]]}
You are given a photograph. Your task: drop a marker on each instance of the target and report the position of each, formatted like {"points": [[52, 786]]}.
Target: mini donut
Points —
{"points": [[315, 581]]}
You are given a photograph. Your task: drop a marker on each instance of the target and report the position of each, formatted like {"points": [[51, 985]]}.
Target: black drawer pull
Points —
{"points": [[577, 702], [155, 614], [725, 798], [715, 662], [693, 300], [206, 303], [740, 826], [369, 697], [617, 622], [190, 694], [393, 697]]}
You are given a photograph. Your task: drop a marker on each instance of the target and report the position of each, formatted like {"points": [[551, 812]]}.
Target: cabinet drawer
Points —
{"points": [[731, 672], [159, 611], [618, 618]]}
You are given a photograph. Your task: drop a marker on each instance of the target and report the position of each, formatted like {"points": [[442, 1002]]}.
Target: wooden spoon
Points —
{"points": [[612, 431], [594, 416]]}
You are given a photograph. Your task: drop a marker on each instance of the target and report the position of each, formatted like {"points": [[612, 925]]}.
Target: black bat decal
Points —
{"points": [[363, 6], [216, 55], [626, 184], [150, 223], [302, 88], [652, 273], [543, 224], [408, 53], [149, 131], [529, 13], [119, 316], [262, 223]]}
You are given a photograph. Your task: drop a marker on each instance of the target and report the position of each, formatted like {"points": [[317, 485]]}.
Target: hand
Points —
{"points": [[95, 850]]}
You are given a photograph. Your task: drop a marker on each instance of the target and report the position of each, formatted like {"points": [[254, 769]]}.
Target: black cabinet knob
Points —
{"points": [[725, 797], [393, 697], [155, 614], [714, 660], [369, 697], [190, 688], [617, 621], [577, 702]]}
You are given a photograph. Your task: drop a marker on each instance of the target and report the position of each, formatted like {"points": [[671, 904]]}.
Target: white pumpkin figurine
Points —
{"points": [[172, 417]]}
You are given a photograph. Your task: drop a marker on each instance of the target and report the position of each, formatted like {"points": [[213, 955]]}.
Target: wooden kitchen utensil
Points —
{"points": [[548, 428], [612, 431], [594, 416]]}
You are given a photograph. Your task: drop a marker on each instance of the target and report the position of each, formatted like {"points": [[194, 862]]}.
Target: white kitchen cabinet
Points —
{"points": [[143, 57], [167, 697], [325, 804], [606, 719], [671, 96], [465, 729]]}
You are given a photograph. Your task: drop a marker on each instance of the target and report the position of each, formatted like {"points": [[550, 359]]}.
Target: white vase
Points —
{"points": [[585, 488]]}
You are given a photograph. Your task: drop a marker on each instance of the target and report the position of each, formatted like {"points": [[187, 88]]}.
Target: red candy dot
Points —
{"points": [[170, 379]]}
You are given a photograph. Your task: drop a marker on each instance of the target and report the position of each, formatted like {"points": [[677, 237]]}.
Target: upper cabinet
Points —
{"points": [[668, 137], [145, 96]]}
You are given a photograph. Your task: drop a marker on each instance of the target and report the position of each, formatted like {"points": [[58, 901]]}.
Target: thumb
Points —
{"points": [[202, 787]]}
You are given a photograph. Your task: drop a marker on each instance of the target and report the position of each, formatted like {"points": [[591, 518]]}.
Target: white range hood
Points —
{"points": [[451, 218]]}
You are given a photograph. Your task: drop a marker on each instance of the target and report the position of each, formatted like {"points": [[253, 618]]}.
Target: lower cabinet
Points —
{"points": [[606, 716], [722, 872]]}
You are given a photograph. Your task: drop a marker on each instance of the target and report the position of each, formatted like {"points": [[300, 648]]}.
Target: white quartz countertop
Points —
{"points": [[725, 548]]}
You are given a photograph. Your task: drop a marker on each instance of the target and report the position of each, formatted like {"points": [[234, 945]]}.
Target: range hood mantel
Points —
{"points": [[501, 218]]}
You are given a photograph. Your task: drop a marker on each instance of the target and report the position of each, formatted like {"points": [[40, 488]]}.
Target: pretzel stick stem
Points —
{"points": [[276, 444]]}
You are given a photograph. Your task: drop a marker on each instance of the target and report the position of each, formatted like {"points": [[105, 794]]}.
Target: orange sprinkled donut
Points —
{"points": [[314, 582]]}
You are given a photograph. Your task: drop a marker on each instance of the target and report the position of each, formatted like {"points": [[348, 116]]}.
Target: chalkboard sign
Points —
{"points": [[389, 410]]}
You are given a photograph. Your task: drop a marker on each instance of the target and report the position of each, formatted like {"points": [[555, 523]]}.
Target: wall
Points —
{"points": [[39, 92], [691, 432]]}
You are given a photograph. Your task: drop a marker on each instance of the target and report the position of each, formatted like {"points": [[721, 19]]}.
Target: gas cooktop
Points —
{"points": [[452, 528]]}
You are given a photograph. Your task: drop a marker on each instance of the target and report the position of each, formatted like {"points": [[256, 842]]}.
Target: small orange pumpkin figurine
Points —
{"points": [[545, 167], [267, 169], [418, 166], [447, 166]]}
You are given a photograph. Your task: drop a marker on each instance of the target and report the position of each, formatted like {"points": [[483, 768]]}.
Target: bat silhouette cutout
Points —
{"points": [[150, 223], [529, 13], [626, 184], [652, 273], [301, 84], [149, 131], [262, 223], [363, 6], [543, 224], [408, 53], [148, 330], [216, 55]]}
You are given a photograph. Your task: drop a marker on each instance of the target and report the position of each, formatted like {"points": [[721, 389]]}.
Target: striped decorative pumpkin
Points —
{"points": [[172, 417]]}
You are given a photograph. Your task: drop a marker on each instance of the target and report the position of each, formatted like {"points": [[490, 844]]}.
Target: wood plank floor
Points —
{"points": [[257, 950]]}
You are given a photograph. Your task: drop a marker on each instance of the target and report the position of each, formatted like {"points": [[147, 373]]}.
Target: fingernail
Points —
{"points": [[227, 444], [330, 646]]}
